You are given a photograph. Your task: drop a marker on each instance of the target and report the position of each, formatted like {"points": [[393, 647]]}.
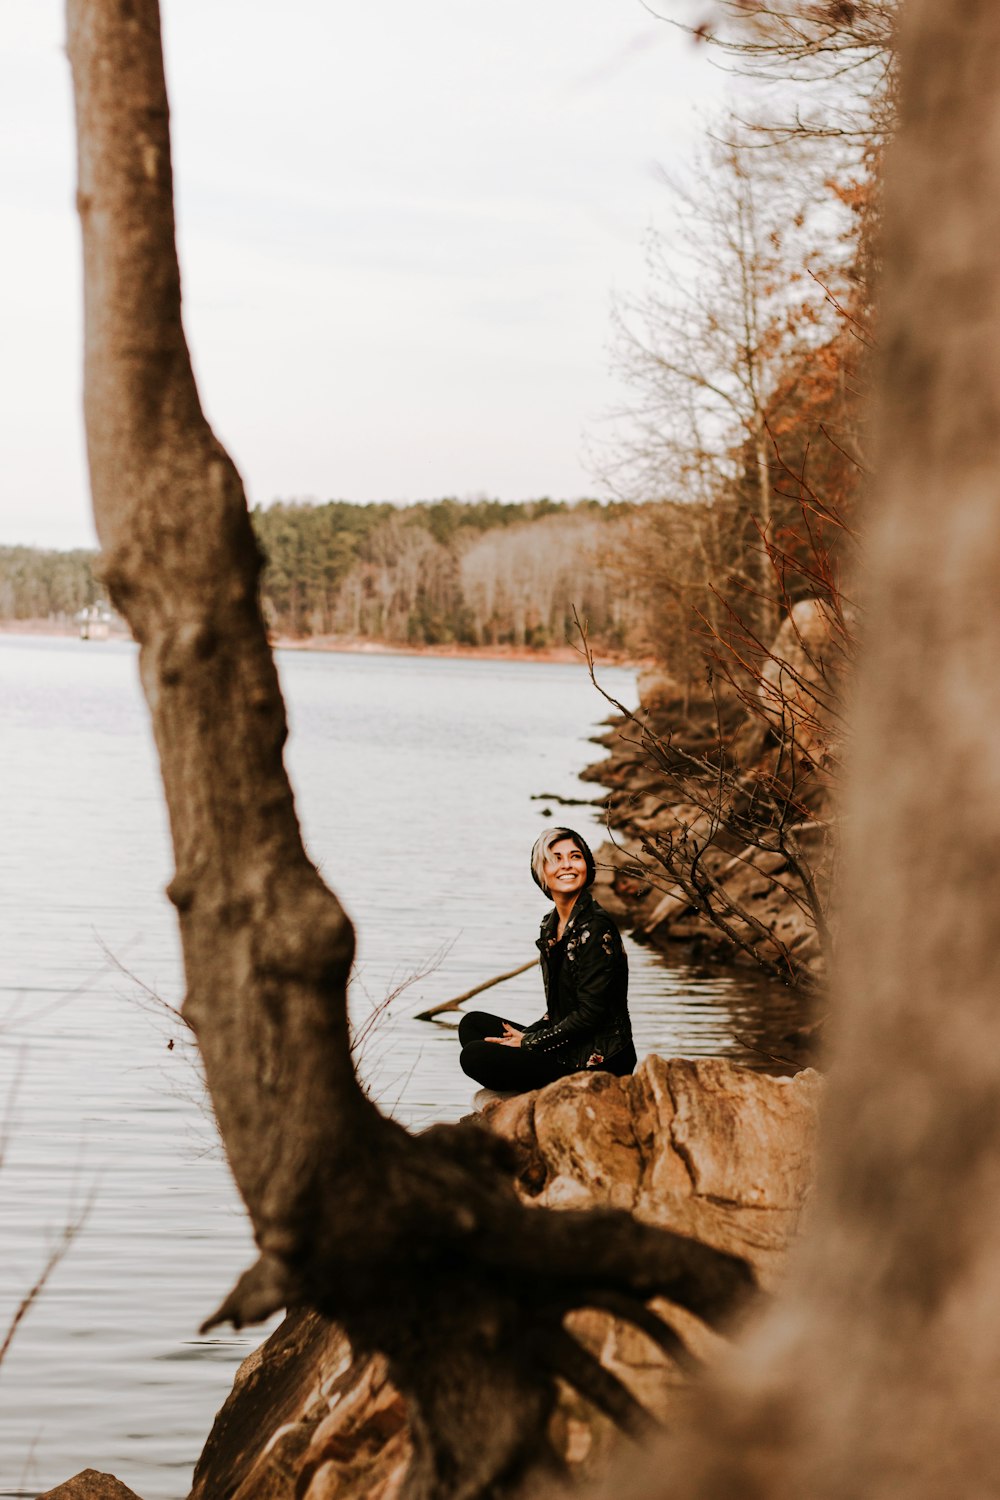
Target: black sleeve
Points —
{"points": [[594, 974]]}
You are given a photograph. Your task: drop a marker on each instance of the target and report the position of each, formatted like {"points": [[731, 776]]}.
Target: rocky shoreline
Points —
{"points": [[645, 805]]}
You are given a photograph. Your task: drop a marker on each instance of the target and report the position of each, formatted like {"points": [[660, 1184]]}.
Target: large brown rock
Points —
{"points": [[802, 679], [657, 687], [702, 1147], [91, 1485]]}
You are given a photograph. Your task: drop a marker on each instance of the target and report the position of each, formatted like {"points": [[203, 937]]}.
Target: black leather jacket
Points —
{"points": [[587, 1005]]}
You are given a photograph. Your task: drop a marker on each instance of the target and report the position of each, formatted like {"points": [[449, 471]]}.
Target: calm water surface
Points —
{"points": [[414, 780]]}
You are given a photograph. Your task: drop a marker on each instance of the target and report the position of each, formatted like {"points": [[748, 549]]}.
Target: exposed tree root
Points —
{"points": [[585, 1373], [465, 1290]]}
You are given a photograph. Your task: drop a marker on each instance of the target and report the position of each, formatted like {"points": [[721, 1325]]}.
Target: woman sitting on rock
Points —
{"points": [[585, 975]]}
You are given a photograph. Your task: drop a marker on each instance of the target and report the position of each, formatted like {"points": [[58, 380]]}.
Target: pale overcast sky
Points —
{"points": [[400, 228]]}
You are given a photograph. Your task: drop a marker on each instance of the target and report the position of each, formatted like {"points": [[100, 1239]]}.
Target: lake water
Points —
{"points": [[414, 779]]}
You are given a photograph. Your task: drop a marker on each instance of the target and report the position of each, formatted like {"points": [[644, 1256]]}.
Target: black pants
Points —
{"points": [[511, 1070]]}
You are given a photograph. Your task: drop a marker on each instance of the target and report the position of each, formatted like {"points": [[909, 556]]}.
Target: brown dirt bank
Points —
{"points": [[61, 628], [362, 646], [355, 645], [58, 629]]}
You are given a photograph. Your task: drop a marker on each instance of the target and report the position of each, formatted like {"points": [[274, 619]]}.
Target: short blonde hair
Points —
{"points": [[542, 846]]}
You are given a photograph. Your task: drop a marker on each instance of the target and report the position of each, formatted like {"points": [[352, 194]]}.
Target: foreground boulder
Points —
{"points": [[702, 1147]]}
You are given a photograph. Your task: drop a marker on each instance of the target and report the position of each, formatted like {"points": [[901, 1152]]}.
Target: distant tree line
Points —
{"points": [[446, 571], [45, 585], [477, 573]]}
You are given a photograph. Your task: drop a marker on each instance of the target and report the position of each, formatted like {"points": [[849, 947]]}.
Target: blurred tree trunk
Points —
{"points": [[879, 1374], [418, 1246]]}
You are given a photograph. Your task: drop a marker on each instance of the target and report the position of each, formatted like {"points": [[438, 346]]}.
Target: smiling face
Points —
{"points": [[565, 869]]}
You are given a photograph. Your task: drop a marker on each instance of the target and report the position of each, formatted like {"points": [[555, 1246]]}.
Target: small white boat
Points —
{"points": [[95, 622]]}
